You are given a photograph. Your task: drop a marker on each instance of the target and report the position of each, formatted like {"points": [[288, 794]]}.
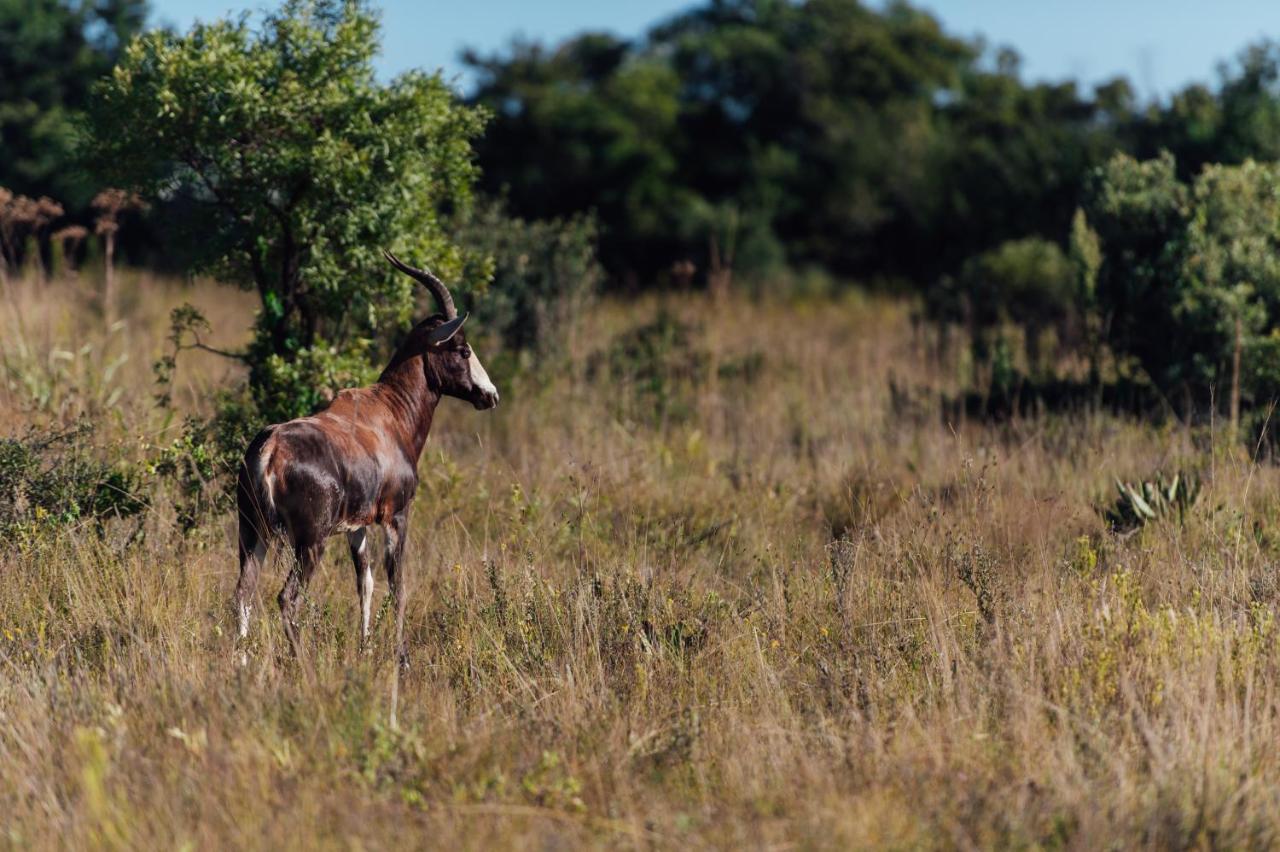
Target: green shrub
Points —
{"points": [[661, 363], [298, 386], [1026, 283], [1142, 502], [1189, 273], [50, 480], [544, 275], [200, 464], [1029, 285]]}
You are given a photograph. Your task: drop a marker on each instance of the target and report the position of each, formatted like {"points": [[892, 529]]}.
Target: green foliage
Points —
{"points": [[543, 277], [1085, 254], [51, 51], [1142, 502], [1028, 283], [201, 463], [50, 480], [289, 166], [194, 465], [662, 365], [1190, 273], [835, 134], [1240, 120], [309, 379], [589, 127]]}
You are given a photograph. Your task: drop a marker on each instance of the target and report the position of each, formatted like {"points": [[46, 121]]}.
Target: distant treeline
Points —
{"points": [[868, 143], [51, 53], [749, 135], [1080, 242]]}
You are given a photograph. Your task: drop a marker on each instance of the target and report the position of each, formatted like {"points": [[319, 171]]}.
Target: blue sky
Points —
{"points": [[1161, 45]]}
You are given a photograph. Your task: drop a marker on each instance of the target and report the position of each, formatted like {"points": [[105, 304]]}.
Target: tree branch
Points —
{"points": [[203, 347]]}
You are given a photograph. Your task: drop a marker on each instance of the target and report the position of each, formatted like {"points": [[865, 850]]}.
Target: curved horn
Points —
{"points": [[432, 283]]}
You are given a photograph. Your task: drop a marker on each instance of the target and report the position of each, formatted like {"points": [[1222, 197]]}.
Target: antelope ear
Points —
{"points": [[442, 333]]}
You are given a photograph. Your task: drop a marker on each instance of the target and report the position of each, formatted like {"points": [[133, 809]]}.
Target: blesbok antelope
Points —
{"points": [[354, 464]]}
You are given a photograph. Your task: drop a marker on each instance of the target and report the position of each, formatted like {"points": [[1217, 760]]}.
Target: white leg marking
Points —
{"points": [[245, 610], [366, 600], [364, 578]]}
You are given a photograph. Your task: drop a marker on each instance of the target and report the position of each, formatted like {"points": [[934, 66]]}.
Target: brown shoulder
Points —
{"points": [[349, 401]]}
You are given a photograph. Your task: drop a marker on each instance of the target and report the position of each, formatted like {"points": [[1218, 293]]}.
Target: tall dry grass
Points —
{"points": [[778, 606]]}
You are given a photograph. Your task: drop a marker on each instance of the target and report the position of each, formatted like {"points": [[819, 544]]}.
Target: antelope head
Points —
{"points": [[451, 365]]}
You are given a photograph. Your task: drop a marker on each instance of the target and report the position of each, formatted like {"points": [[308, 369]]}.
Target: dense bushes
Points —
{"points": [[1028, 283], [1177, 282]]}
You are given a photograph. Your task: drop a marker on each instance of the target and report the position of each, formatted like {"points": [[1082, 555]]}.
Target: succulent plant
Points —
{"points": [[1142, 502]]}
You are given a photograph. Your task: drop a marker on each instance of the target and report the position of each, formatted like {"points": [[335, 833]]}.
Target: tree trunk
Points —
{"points": [[34, 241], [1235, 382], [720, 274], [109, 288]]}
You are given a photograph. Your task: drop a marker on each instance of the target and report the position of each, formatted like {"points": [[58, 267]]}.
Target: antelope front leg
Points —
{"points": [[358, 540], [396, 535]]}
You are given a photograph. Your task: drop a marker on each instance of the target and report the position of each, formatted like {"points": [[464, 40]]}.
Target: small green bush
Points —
{"points": [[1027, 283], [661, 362], [50, 480], [200, 464]]}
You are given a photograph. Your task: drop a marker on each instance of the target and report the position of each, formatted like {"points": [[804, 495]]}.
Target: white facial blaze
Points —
{"points": [[479, 378]]}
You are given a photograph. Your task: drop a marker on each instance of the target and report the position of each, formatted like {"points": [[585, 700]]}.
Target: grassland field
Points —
{"points": [[753, 598]]}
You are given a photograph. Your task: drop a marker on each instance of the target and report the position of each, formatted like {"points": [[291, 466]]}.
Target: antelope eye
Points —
{"points": [[465, 351]]}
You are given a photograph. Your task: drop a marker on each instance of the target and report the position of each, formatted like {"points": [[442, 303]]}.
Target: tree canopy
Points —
{"points": [[868, 142], [292, 167]]}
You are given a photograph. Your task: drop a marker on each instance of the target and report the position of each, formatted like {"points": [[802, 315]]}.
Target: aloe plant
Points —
{"points": [[1142, 502]]}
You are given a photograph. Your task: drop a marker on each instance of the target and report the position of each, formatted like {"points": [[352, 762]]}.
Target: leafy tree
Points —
{"points": [[51, 52], [1233, 271], [815, 120], [1189, 278], [1188, 127], [587, 128], [1239, 120], [867, 141], [291, 167], [1250, 106], [1140, 211], [1016, 159]]}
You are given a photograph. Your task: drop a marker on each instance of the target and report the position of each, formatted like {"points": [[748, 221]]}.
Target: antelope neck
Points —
{"points": [[411, 399]]}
